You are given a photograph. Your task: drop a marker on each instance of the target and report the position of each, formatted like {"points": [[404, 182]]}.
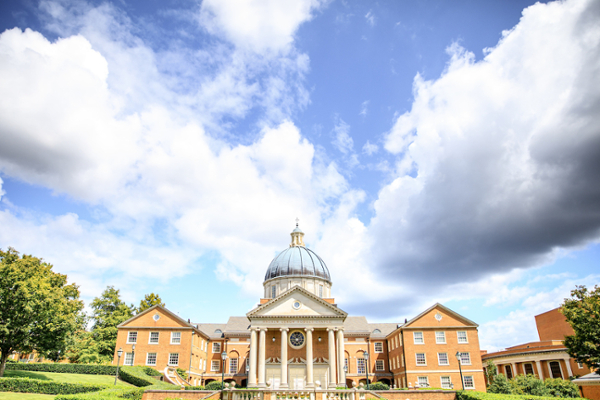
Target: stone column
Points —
{"points": [[252, 371], [568, 364], [309, 358], [514, 369], [284, 358], [331, 344], [341, 356], [262, 343], [539, 368]]}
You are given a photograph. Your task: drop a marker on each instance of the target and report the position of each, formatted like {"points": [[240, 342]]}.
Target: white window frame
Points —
{"points": [[150, 341], [129, 336], [447, 361], [418, 337], [233, 369], [460, 339], [472, 382], [402, 359], [128, 360], [379, 365], [424, 378], [215, 365], [417, 360], [580, 365], [462, 362], [380, 345], [216, 347], [361, 370], [273, 291], [440, 337], [175, 337], [148, 358], [173, 356], [394, 363], [447, 385]]}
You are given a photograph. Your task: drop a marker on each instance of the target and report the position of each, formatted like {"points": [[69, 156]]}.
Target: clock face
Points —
{"points": [[297, 339]]}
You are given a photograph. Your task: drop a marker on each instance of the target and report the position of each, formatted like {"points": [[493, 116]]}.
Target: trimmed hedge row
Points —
{"points": [[27, 385], [472, 395], [108, 394], [86, 369]]}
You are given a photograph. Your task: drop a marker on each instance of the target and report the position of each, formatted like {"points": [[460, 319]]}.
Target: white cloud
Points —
{"points": [[341, 137], [370, 148], [370, 17], [364, 108], [258, 26]]}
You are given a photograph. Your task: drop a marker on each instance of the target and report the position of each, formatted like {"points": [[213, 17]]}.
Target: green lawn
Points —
{"points": [[70, 378], [25, 396]]}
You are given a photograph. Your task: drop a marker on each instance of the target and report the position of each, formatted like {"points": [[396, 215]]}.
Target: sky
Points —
{"points": [[433, 151]]}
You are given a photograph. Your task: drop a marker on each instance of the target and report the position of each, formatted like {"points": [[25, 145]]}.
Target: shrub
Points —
{"points": [[473, 395], [26, 385], [529, 384], [194, 388], [561, 388], [378, 386], [214, 385], [86, 369], [181, 372], [500, 385]]}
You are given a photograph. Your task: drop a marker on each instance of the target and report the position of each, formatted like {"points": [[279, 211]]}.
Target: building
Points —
{"points": [[547, 358], [297, 337]]}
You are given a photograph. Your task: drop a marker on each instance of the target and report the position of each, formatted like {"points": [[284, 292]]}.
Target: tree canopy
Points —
{"points": [[148, 301], [582, 311], [38, 309], [108, 311]]}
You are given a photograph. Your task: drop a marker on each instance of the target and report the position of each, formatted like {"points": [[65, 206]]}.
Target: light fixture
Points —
{"points": [[459, 358], [320, 338], [366, 355], [119, 353], [223, 357], [273, 339]]}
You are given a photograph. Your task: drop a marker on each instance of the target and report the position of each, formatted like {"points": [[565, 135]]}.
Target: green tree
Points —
{"points": [[582, 311], [562, 388], [108, 311], [38, 309], [491, 371], [529, 384], [148, 301], [500, 385]]}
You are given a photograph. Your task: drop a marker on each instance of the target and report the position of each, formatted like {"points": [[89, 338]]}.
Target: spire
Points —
{"points": [[297, 236]]}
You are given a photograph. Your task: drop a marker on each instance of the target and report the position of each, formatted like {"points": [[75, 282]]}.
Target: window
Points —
{"points": [[468, 381], [528, 369], [214, 365], [398, 341], [132, 337], [579, 365], [423, 381], [402, 359], [421, 359], [175, 337], [233, 365], [393, 363], [378, 347], [440, 337], [465, 359], [153, 338], [216, 347], [273, 291], [443, 359], [360, 366], [320, 290], [173, 358], [379, 366], [508, 371], [151, 359], [446, 382], [418, 336], [462, 337], [555, 369], [128, 359]]}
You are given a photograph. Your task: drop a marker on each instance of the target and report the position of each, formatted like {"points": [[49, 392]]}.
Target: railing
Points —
{"points": [[294, 394]]}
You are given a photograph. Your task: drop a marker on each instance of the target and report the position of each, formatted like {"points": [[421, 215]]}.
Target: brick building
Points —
{"points": [[547, 358], [298, 321]]}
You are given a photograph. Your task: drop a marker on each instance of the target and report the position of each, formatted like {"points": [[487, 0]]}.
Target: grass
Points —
{"points": [[69, 378], [25, 396]]}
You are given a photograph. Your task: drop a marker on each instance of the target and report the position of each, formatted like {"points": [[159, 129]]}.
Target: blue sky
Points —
{"points": [[434, 151]]}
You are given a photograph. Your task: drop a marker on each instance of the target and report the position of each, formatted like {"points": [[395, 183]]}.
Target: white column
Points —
{"points": [[331, 344], [252, 371], [284, 358], [341, 356], [261, 357], [514, 369], [568, 364], [539, 368], [309, 358]]}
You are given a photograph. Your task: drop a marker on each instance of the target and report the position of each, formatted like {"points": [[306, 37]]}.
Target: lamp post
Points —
{"points": [[119, 353], [345, 374], [223, 357], [367, 368], [460, 369], [132, 354]]}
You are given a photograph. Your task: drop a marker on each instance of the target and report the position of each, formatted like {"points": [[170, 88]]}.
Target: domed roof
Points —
{"points": [[298, 261]]}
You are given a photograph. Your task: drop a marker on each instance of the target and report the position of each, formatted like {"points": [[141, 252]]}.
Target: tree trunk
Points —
{"points": [[3, 359]]}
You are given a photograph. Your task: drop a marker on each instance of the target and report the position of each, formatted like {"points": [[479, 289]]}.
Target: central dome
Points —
{"points": [[298, 261]]}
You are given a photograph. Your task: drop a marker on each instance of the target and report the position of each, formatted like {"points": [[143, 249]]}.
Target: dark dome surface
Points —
{"points": [[298, 261]]}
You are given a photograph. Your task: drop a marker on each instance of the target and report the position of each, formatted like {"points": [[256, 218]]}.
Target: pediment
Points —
{"points": [[297, 302], [439, 315]]}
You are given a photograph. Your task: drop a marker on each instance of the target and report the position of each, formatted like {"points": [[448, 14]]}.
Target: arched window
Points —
{"points": [[376, 331]]}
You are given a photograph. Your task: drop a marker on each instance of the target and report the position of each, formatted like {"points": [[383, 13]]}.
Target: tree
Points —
{"points": [[38, 309], [500, 385], [562, 388], [108, 312], [582, 311], [148, 301], [491, 371], [529, 384]]}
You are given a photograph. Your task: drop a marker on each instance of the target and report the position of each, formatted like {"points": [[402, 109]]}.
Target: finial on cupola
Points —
{"points": [[297, 236]]}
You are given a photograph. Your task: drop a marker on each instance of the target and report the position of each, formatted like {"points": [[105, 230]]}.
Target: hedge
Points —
{"points": [[27, 385], [472, 395], [194, 388], [86, 369]]}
